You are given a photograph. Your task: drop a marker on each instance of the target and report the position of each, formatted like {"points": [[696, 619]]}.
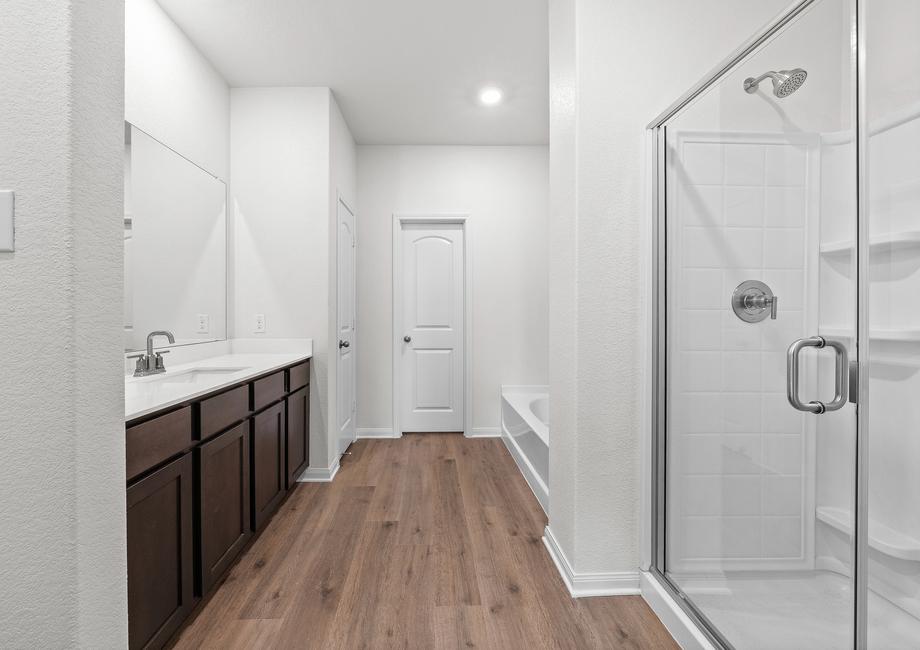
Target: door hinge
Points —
{"points": [[854, 382]]}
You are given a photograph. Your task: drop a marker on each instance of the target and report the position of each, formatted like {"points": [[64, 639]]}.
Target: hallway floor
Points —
{"points": [[429, 541]]}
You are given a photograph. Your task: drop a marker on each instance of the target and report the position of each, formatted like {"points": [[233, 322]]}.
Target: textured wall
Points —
{"points": [[62, 545]]}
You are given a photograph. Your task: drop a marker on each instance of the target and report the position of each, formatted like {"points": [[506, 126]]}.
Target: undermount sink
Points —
{"points": [[192, 375]]}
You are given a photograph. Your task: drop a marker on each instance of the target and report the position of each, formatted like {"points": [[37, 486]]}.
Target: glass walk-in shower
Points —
{"points": [[786, 494]]}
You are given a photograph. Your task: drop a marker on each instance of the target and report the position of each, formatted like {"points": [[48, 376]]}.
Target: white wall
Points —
{"points": [[599, 50], [291, 151], [505, 192], [172, 92], [62, 492]]}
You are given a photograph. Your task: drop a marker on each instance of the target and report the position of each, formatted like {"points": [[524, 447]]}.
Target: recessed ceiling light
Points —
{"points": [[490, 96]]}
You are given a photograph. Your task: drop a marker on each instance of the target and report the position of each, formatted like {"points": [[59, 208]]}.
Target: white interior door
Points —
{"points": [[432, 360], [345, 398]]}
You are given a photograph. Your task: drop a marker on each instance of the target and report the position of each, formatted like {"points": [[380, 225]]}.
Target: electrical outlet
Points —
{"points": [[204, 323], [259, 324]]}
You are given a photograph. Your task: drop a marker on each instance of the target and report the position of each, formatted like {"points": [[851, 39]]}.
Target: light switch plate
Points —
{"points": [[7, 221]]}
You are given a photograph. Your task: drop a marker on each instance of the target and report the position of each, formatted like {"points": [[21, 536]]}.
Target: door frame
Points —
{"points": [[463, 220], [690, 623]]}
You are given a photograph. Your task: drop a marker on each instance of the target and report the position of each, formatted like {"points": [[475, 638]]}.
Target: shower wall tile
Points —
{"points": [[786, 165], [703, 163], [701, 289], [744, 164], [744, 206], [783, 248], [736, 445], [785, 207]]}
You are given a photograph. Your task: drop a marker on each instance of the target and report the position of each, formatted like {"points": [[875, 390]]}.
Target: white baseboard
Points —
{"points": [[368, 432], [675, 619], [319, 474], [582, 585], [485, 432]]}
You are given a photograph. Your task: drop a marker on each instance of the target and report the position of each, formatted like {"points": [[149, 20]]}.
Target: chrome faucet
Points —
{"points": [[152, 363]]}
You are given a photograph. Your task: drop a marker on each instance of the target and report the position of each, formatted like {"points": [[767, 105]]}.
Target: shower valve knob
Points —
{"points": [[751, 301]]}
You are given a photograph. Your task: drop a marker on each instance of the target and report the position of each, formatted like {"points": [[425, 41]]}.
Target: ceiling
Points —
{"points": [[402, 71]]}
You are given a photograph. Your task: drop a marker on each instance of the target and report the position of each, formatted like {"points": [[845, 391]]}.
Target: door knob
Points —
{"points": [[407, 338], [344, 344]]}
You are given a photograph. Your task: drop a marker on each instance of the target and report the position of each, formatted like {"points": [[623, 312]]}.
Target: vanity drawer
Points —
{"points": [[267, 390], [298, 376], [152, 442], [220, 411]]}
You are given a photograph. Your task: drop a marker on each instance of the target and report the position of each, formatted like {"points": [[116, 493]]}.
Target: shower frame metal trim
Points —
{"points": [[656, 131]]}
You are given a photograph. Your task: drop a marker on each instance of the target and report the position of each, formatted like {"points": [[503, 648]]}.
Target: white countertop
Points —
{"points": [[145, 395]]}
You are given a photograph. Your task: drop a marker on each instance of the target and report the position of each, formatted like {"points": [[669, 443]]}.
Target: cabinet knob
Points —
{"points": [[407, 338]]}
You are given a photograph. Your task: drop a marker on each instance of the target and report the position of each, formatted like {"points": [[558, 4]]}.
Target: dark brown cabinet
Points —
{"points": [[203, 477], [160, 541], [268, 467], [223, 470]]}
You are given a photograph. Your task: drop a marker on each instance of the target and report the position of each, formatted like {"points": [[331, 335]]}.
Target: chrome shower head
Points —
{"points": [[785, 82]]}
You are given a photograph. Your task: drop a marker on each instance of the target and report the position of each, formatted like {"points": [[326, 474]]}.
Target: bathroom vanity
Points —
{"points": [[212, 449]]}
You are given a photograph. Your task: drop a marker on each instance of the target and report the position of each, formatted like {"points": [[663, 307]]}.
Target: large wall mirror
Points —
{"points": [[175, 246]]}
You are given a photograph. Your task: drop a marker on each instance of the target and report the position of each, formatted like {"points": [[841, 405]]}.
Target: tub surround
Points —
{"points": [[525, 432]]}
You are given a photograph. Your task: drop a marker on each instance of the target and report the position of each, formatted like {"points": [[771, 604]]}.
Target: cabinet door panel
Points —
{"points": [[298, 434], [224, 501], [160, 572], [268, 467]]}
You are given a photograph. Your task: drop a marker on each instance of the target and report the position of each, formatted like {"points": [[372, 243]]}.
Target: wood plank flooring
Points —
{"points": [[429, 541]]}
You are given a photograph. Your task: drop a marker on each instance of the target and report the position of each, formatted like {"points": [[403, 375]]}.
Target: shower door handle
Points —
{"points": [[841, 370]]}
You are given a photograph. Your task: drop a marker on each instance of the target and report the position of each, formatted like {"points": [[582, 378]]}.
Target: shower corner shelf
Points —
{"points": [[878, 244], [881, 538]]}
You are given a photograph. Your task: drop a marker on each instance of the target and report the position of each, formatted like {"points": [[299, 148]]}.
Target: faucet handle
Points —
{"points": [[159, 359], [141, 365]]}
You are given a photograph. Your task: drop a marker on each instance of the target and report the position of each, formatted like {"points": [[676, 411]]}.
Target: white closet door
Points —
{"points": [[433, 321]]}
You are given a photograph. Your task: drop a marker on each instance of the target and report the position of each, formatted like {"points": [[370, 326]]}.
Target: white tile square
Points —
{"points": [[744, 164], [785, 207], [782, 495], [785, 165], [738, 334], [722, 247], [741, 537], [784, 249], [700, 329], [782, 537], [702, 162], [697, 413], [782, 453], [741, 453], [774, 372], [700, 288], [701, 371], [779, 416], [721, 495], [744, 206], [741, 371], [701, 205], [742, 412]]}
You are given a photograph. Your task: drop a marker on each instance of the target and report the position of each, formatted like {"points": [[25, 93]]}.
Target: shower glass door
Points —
{"points": [[758, 442]]}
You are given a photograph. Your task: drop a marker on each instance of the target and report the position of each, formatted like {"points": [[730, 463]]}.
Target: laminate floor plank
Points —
{"points": [[428, 541]]}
